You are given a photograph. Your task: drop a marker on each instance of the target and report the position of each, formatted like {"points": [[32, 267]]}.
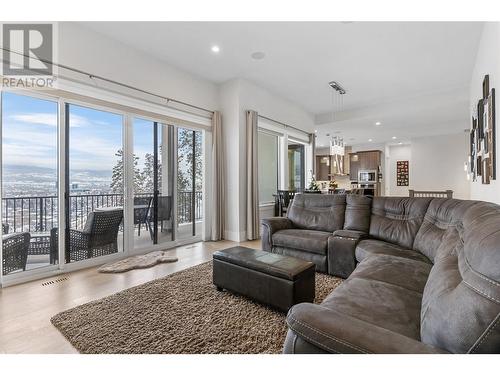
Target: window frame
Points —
{"points": [[278, 163], [62, 98], [285, 136]]}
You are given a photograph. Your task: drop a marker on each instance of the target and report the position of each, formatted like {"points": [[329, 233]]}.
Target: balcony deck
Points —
{"points": [[140, 242], [38, 215]]}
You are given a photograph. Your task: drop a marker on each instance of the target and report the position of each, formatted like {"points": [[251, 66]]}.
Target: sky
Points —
{"points": [[29, 135]]}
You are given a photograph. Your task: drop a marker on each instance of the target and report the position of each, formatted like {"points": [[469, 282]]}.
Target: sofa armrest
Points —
{"points": [[270, 226], [341, 251], [354, 234], [336, 332]]}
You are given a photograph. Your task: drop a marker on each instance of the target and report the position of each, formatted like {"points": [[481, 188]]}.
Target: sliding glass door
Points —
{"points": [[29, 182], [95, 183], [153, 183], [189, 183], [126, 183]]}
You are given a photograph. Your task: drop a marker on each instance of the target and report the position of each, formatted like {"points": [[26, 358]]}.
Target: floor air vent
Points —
{"points": [[51, 282]]}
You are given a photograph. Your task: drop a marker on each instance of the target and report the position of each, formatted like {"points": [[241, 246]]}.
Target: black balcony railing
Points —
{"points": [[39, 214]]}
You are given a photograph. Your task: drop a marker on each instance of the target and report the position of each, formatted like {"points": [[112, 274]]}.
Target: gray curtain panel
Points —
{"points": [[218, 193], [253, 225]]}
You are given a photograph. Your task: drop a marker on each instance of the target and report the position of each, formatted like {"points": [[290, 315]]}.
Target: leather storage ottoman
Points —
{"points": [[272, 279]]}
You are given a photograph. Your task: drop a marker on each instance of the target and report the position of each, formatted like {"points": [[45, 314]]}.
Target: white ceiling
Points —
{"points": [[377, 63], [432, 114]]}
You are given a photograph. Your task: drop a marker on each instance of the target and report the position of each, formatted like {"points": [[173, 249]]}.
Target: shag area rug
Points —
{"points": [[180, 313], [138, 262]]}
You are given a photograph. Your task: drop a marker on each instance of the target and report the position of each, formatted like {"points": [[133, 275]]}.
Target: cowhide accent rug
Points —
{"points": [[138, 262], [180, 313]]}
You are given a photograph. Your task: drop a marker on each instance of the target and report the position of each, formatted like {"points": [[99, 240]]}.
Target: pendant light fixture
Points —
{"points": [[337, 146]]}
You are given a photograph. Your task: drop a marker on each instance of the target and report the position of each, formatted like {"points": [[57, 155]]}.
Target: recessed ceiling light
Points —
{"points": [[400, 143], [370, 140], [378, 123], [258, 55], [315, 130], [394, 137], [215, 49]]}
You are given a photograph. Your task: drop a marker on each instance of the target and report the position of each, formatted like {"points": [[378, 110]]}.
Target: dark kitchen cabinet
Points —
{"points": [[322, 167], [353, 166], [363, 160]]}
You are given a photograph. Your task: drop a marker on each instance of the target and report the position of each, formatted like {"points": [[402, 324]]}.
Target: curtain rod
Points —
{"points": [[283, 124], [93, 76]]}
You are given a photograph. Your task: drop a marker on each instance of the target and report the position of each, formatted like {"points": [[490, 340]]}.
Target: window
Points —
{"points": [[96, 183], [189, 182], [126, 183], [29, 182], [268, 166]]}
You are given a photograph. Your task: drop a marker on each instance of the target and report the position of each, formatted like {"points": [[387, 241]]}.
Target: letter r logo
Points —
{"points": [[28, 48]]}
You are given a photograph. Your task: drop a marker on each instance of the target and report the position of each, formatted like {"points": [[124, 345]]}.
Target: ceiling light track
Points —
{"points": [[336, 86]]}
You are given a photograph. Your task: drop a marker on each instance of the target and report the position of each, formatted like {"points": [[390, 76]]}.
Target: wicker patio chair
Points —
{"points": [[5, 228], [15, 251], [98, 237]]}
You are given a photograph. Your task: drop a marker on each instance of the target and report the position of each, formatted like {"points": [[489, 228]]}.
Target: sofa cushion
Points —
{"points": [[315, 329], [323, 212], [388, 306], [461, 300], [407, 273], [370, 247], [397, 220], [357, 213], [439, 232], [313, 241]]}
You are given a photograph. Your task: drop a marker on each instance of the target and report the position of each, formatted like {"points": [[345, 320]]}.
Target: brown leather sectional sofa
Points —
{"points": [[422, 274]]}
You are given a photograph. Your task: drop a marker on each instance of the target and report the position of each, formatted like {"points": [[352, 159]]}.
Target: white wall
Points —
{"points": [[274, 107], [437, 163], [237, 96], [487, 62], [83, 48], [230, 108], [394, 154]]}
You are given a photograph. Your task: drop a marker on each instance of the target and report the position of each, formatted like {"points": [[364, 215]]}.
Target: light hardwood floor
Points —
{"points": [[26, 309]]}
